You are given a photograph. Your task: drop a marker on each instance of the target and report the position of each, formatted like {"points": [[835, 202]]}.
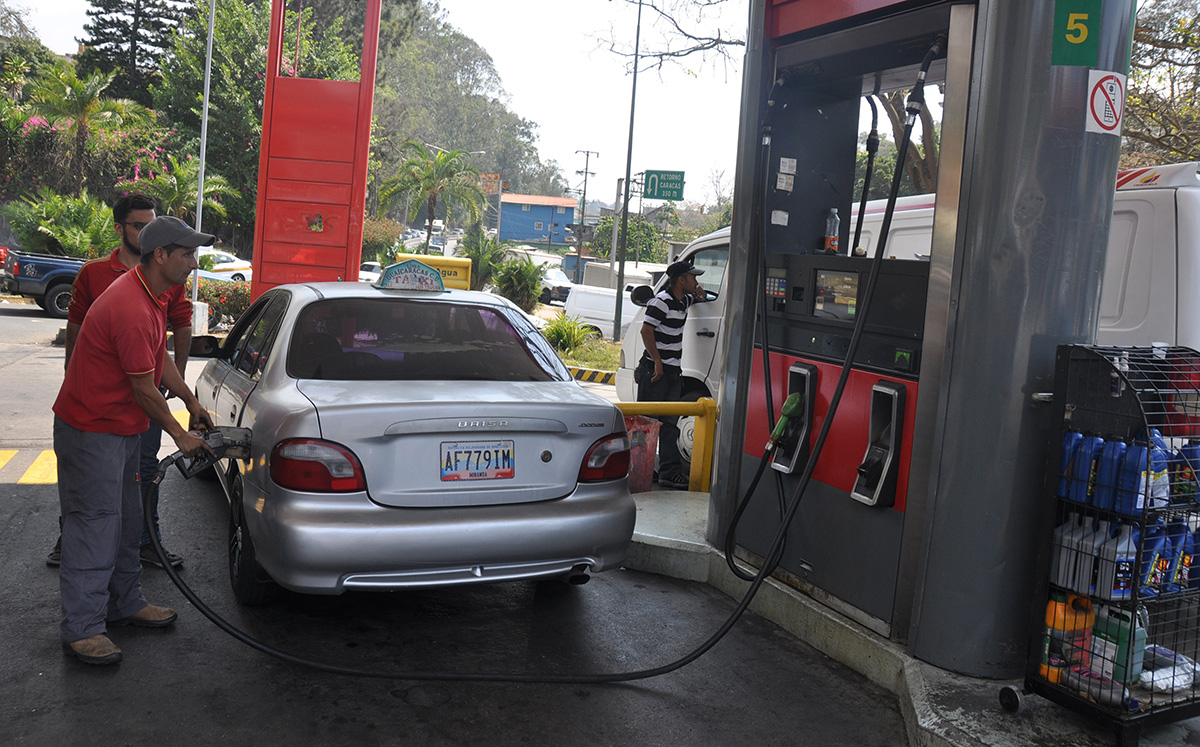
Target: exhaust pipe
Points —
{"points": [[578, 576]]}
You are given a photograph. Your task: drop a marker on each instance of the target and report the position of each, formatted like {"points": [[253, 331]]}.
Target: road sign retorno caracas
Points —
{"points": [[664, 185]]}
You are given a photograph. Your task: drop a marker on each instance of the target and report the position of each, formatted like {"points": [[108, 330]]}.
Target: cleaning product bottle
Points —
{"points": [[832, 228], [1070, 442], [1133, 485], [1087, 557], [1108, 474], [1118, 645], [1084, 467], [1116, 565], [1053, 660]]}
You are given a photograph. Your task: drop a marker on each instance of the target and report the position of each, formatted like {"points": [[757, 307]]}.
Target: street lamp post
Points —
{"points": [[637, 39]]}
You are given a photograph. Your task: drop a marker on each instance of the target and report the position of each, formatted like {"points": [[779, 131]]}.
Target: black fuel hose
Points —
{"points": [[582, 679]]}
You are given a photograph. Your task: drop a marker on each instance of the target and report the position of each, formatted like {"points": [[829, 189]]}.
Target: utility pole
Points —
{"points": [[587, 154], [612, 254]]}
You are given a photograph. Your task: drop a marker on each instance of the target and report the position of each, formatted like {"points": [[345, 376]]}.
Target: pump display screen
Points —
{"points": [[836, 295]]}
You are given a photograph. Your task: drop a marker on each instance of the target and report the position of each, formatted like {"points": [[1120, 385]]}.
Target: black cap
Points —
{"points": [[167, 229], [679, 269]]}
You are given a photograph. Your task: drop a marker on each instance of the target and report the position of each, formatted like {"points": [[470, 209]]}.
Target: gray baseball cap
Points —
{"points": [[167, 229]]}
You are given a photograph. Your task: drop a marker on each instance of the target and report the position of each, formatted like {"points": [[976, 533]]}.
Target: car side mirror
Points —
{"points": [[641, 295], [205, 346]]}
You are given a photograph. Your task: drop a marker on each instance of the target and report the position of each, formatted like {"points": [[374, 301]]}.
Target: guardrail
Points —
{"points": [[705, 411]]}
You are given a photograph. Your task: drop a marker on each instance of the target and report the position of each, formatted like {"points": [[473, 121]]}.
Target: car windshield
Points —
{"points": [[402, 339], [557, 276]]}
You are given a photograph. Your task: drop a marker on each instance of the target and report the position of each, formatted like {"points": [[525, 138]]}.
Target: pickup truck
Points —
{"points": [[45, 278]]}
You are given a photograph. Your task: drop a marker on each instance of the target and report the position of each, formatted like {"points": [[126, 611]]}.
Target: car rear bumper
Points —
{"points": [[319, 544]]}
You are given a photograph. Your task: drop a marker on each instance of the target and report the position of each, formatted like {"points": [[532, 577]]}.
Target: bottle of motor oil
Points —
{"points": [[1087, 555], [1118, 645], [1154, 543], [1108, 475], [1187, 466], [1068, 559], [1084, 466], [1058, 574], [1158, 463], [1070, 442], [832, 227], [1116, 565], [1179, 556], [1134, 482]]}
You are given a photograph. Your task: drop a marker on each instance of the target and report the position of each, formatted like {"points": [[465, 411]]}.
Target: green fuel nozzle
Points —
{"points": [[792, 406]]}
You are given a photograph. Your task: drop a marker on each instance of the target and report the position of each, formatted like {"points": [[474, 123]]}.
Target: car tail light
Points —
{"points": [[608, 459], [316, 466]]}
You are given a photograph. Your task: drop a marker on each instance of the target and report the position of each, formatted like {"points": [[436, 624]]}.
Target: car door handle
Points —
{"points": [[706, 333]]}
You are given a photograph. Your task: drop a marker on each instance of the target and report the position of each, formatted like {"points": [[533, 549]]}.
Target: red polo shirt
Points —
{"points": [[123, 335], [95, 277]]}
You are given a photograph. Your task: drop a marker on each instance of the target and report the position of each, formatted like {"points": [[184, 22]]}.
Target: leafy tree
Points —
{"points": [[424, 178], [646, 242], [486, 254], [520, 280], [14, 22], [175, 188], [56, 224], [78, 105], [379, 240], [1162, 122], [129, 38]]}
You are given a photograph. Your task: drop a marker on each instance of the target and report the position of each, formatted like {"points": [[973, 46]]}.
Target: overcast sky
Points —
{"points": [[553, 60]]}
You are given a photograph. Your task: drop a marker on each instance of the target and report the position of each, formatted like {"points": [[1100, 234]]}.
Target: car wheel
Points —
{"points": [[545, 297], [239, 277], [57, 301], [251, 584]]}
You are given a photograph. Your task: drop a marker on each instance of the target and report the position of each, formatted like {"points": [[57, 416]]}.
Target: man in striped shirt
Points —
{"points": [[659, 373]]}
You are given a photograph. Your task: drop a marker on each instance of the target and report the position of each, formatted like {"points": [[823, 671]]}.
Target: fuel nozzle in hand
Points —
{"points": [[792, 407], [225, 442]]}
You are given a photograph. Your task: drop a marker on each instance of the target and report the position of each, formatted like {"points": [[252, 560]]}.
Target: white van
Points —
{"points": [[1149, 293], [596, 307]]}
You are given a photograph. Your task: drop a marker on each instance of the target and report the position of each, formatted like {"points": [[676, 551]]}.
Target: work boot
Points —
{"points": [[95, 650], [675, 482], [147, 554], [149, 616], [54, 559]]}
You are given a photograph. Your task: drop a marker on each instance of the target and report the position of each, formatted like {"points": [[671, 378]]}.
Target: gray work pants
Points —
{"points": [[100, 576]]}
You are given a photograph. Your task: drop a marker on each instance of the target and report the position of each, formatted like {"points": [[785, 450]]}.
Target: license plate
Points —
{"points": [[478, 460]]}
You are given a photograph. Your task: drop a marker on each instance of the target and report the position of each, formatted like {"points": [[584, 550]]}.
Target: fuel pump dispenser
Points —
{"points": [[918, 521]]}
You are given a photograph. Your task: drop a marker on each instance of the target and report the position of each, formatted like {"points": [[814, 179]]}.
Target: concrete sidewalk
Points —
{"points": [[941, 709]]}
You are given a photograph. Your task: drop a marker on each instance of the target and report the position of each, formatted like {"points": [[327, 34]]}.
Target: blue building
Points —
{"points": [[534, 219]]}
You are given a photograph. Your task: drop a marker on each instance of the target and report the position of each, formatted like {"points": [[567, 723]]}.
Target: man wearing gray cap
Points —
{"points": [[108, 396]]}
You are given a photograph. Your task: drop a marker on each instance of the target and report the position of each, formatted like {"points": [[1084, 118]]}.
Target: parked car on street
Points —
{"points": [[226, 263], [368, 272], [406, 438], [556, 286], [45, 278]]}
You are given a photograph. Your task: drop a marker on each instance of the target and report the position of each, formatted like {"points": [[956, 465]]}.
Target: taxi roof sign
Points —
{"points": [[411, 274]]}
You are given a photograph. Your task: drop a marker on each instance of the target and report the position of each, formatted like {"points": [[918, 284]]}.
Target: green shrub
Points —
{"points": [[226, 300], [520, 281], [379, 240], [565, 333], [485, 254], [50, 223]]}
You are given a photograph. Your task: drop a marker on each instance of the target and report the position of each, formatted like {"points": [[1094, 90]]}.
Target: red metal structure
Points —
{"points": [[312, 171]]}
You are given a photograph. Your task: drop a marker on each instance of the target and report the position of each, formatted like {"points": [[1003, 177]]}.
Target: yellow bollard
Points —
{"points": [[705, 411]]}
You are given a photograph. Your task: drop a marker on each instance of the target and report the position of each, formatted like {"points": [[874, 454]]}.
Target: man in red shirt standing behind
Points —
{"points": [[131, 213], [108, 397]]}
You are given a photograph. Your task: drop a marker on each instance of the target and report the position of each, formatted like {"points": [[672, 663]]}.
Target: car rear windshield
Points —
{"points": [[399, 339]]}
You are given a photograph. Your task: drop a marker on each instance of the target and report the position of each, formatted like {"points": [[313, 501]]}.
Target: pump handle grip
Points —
{"points": [[792, 406]]}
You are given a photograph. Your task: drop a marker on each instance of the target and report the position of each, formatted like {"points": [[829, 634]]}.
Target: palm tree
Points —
{"points": [[424, 178], [175, 189], [62, 98]]}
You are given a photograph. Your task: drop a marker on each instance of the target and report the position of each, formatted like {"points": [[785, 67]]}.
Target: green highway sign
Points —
{"points": [[663, 185]]}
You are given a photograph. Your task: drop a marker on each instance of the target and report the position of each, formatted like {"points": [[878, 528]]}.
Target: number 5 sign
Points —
{"points": [[1076, 33]]}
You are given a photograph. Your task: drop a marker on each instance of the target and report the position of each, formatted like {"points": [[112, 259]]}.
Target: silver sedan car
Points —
{"points": [[405, 438]]}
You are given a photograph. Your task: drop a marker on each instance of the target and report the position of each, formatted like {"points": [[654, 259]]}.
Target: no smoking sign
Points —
{"points": [[1106, 102]]}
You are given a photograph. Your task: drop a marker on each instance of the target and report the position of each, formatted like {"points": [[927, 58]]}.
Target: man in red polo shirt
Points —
{"points": [[131, 213], [108, 397]]}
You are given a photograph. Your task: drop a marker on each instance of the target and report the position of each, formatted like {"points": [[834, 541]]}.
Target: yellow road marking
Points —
{"points": [[5, 455], [181, 416], [43, 471]]}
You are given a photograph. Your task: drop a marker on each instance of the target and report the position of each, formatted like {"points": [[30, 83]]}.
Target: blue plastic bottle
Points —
{"points": [[1070, 443], [1179, 540], [1109, 474], [1150, 577], [1132, 487], [1083, 468]]}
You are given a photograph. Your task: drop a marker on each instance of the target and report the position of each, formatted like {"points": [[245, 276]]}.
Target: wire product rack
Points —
{"points": [[1117, 631]]}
